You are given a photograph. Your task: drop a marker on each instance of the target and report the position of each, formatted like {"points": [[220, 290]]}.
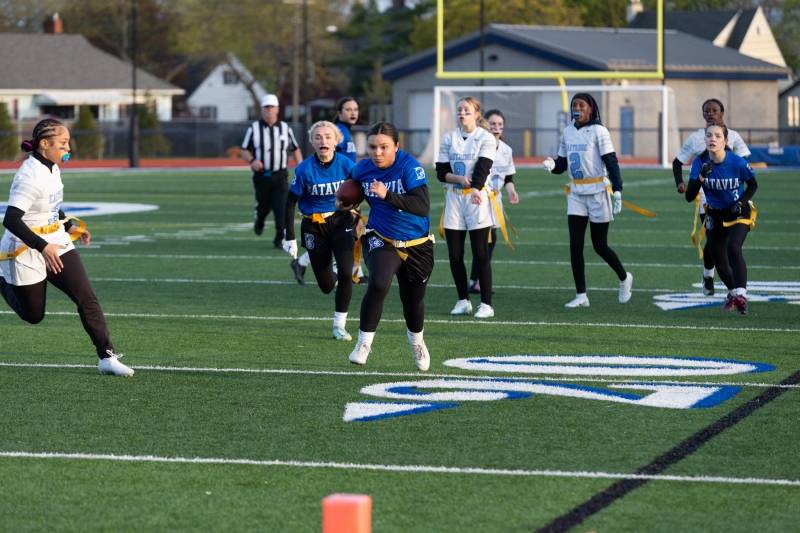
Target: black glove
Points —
{"points": [[736, 209], [705, 170]]}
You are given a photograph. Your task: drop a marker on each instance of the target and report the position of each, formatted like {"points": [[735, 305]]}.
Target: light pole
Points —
{"points": [[133, 136]]}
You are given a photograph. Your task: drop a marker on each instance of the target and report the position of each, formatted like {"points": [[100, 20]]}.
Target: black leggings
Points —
{"points": [[29, 301], [479, 242], [412, 278], [473, 275], [599, 233], [708, 255], [726, 249], [343, 278]]}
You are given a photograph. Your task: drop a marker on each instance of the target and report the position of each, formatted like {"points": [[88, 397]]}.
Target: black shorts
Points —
{"points": [[338, 231], [716, 217], [416, 267]]}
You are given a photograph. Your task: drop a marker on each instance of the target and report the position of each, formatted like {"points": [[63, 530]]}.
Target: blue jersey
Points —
{"points": [[347, 147], [402, 176], [724, 185], [316, 184]]}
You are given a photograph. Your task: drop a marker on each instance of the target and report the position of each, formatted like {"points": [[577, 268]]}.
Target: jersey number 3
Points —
{"points": [[575, 165]]}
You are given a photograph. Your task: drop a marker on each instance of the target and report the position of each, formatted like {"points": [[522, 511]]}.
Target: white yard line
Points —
{"points": [[417, 469], [427, 375]]}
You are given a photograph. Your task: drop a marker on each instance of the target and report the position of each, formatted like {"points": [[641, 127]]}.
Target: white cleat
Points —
{"points": [[360, 353], [111, 365], [462, 307], [340, 334], [579, 301], [421, 356], [625, 288], [484, 311]]}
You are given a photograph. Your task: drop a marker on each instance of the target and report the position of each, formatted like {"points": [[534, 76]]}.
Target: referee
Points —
{"points": [[266, 145]]}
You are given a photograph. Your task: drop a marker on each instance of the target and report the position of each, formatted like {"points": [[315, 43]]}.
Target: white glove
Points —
{"points": [[290, 247], [549, 164], [617, 202]]}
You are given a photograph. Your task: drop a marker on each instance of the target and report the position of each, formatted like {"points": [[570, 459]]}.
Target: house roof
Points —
{"points": [[704, 24], [70, 63], [789, 89], [610, 49]]}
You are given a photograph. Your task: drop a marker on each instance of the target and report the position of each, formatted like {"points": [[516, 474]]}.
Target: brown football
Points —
{"points": [[350, 193]]}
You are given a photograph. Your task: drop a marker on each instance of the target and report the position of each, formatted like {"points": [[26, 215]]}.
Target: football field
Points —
{"points": [[663, 414]]}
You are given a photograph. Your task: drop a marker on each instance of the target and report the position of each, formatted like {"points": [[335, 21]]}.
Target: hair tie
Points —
{"points": [[27, 145]]}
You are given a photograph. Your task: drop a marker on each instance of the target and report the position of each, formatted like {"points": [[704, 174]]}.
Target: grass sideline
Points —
{"points": [[189, 286]]}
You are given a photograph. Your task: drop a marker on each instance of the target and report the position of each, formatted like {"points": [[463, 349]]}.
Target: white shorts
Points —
{"points": [[29, 266], [595, 206], [461, 214]]}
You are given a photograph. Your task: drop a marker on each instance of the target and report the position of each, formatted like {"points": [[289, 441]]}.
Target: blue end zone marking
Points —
{"points": [[416, 391], [421, 409], [723, 394]]}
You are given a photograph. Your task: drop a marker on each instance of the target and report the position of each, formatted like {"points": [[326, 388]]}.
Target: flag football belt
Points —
{"points": [[400, 245], [697, 236], [500, 216], [630, 205], [74, 235], [319, 218], [750, 222]]}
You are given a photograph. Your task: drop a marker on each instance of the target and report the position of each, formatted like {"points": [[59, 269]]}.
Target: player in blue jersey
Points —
{"points": [[347, 116], [325, 232], [729, 184], [397, 240]]}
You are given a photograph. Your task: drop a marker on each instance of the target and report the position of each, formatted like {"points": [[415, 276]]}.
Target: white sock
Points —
{"points": [[415, 338], [366, 337], [339, 319], [304, 260], [740, 291], [708, 273]]}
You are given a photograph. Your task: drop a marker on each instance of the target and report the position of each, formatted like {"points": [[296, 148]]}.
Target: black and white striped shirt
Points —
{"points": [[270, 144]]}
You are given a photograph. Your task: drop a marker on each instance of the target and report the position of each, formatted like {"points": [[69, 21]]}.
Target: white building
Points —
{"points": [[223, 96]]}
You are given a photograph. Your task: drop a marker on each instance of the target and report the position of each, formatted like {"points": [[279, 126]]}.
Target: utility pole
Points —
{"points": [[482, 40], [133, 136], [306, 69]]}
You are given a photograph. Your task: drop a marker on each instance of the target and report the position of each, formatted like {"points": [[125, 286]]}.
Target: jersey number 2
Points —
{"points": [[575, 165]]}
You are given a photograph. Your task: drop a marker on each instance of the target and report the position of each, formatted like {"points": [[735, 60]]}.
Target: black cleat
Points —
{"points": [[708, 286], [299, 271], [258, 227]]}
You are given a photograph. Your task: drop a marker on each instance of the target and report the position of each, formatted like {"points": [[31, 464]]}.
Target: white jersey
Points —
{"points": [[502, 166], [695, 144], [38, 192], [462, 151], [583, 149]]}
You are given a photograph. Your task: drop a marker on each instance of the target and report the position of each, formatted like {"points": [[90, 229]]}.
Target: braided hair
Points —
{"points": [[44, 129]]}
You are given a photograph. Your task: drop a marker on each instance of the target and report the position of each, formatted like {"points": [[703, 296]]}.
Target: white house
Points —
{"points": [[223, 96], [70, 74]]}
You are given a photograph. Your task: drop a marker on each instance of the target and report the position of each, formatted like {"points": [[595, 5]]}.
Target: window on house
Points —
{"points": [[207, 111], [229, 77], [58, 111], [793, 111]]}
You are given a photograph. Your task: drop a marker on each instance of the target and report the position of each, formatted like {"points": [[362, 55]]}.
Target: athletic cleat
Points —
{"points": [[625, 288], [421, 356], [359, 354], [484, 311], [730, 303], [740, 302], [579, 301], [475, 287], [111, 365], [299, 271], [340, 334], [258, 227], [708, 286], [462, 307]]}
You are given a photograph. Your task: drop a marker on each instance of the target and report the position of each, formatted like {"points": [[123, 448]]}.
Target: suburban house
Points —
{"points": [[223, 96], [745, 30], [695, 69], [70, 74]]}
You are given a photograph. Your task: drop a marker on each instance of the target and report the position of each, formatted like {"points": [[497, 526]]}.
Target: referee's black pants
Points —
{"points": [[29, 301], [271, 190]]}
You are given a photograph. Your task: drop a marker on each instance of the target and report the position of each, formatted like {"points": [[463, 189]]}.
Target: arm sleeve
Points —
{"points": [[481, 172], [677, 171], [62, 216], [610, 160], [13, 223], [561, 165], [508, 179], [291, 202], [415, 201], [750, 188], [692, 189], [442, 169]]}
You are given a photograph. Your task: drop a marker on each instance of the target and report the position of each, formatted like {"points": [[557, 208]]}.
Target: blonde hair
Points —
{"points": [[325, 124], [476, 105]]}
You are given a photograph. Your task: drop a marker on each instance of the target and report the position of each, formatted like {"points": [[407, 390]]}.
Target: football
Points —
{"points": [[350, 193]]}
